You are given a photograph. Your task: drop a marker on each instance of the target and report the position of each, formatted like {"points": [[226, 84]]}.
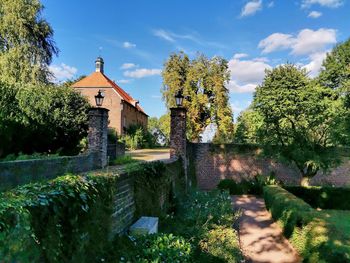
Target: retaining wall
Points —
{"points": [[213, 163], [15, 173]]}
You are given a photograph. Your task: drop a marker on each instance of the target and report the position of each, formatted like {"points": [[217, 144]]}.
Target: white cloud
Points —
{"points": [[326, 3], [251, 8], [127, 44], [124, 81], [240, 55], [307, 41], [315, 64], [276, 41], [246, 74], [128, 66], [168, 36], [194, 37], [62, 72], [142, 72], [314, 14]]}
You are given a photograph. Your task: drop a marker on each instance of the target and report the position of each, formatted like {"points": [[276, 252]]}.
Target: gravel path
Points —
{"points": [[260, 237]]}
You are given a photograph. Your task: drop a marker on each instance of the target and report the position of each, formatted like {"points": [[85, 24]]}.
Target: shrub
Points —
{"points": [[323, 197], [252, 186], [319, 236], [285, 207], [138, 138], [63, 220]]}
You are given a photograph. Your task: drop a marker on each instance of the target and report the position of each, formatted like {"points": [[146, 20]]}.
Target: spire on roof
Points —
{"points": [[99, 64]]}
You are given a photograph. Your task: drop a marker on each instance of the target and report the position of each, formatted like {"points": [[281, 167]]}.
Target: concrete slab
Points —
{"points": [[145, 225]]}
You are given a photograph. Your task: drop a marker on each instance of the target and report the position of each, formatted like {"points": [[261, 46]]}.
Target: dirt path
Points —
{"points": [[150, 155], [261, 239]]}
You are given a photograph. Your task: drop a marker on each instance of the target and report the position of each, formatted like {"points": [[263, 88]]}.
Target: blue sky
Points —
{"points": [[136, 37]]}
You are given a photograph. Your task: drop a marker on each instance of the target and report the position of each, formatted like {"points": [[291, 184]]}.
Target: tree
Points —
{"points": [[204, 81], [26, 44], [299, 117], [41, 119], [248, 127], [335, 72]]}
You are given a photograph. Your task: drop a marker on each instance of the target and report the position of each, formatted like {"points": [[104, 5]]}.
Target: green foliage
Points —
{"points": [[335, 72], [21, 156], [26, 44], [204, 80], [164, 248], [121, 160], [63, 220], [253, 186], [248, 126], [299, 119], [154, 193], [161, 127], [41, 119], [323, 197], [319, 236], [138, 138]]}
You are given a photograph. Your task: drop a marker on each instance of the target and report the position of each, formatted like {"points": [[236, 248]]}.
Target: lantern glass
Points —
{"points": [[179, 99], [99, 98]]}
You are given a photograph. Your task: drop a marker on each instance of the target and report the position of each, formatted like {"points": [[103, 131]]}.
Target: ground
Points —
{"points": [[261, 238], [150, 154]]}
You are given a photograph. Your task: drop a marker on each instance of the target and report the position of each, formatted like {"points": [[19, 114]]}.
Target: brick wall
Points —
{"points": [[214, 163], [115, 150], [124, 205]]}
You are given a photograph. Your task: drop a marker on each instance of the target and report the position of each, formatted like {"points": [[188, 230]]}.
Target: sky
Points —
{"points": [[135, 38]]}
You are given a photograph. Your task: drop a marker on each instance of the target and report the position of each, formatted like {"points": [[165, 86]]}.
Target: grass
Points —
{"points": [[121, 160]]}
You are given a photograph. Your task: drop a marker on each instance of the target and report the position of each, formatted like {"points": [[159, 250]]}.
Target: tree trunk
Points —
{"points": [[305, 181]]}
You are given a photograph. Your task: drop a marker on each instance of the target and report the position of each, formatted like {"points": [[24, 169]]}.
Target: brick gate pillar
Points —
{"points": [[97, 135], [178, 141], [178, 132]]}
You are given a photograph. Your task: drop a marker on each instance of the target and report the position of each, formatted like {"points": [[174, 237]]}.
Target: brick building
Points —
{"points": [[123, 109]]}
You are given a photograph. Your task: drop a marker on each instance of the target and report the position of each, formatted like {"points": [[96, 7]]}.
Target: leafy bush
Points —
{"points": [[41, 119], [63, 220], [319, 236], [164, 248], [252, 186], [323, 197]]}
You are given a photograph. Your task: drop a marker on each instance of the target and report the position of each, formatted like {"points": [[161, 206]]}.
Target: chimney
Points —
{"points": [[99, 64]]}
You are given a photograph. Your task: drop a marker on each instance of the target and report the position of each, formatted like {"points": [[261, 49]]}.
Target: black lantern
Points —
{"points": [[99, 98], [179, 98]]}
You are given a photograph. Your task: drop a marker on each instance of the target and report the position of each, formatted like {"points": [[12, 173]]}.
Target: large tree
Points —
{"points": [[335, 71], [299, 119], [248, 127], [335, 74], [204, 81], [26, 44]]}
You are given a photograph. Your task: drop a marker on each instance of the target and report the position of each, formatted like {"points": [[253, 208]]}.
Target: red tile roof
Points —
{"points": [[100, 80]]}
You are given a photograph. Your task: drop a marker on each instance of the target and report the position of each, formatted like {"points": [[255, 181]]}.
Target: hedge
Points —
{"points": [[323, 197], [316, 235]]}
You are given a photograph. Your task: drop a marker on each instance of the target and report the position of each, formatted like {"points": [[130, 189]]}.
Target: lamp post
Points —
{"points": [[99, 98]]}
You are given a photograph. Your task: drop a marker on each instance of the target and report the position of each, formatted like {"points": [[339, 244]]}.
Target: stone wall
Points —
{"points": [[213, 163], [114, 150], [27, 171]]}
